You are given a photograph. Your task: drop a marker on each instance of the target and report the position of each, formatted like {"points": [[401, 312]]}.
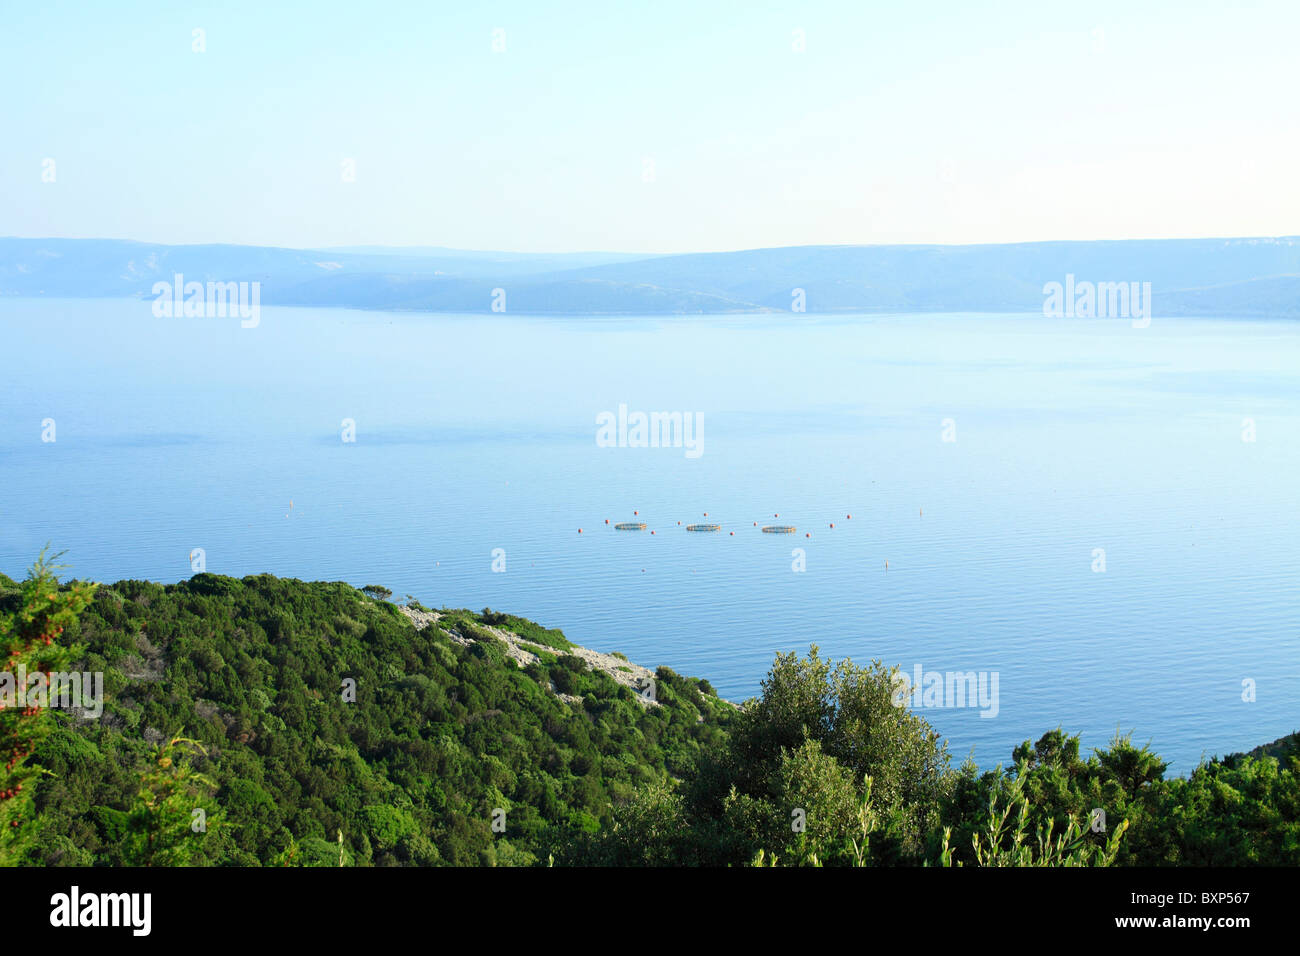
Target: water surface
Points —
{"points": [[476, 433]]}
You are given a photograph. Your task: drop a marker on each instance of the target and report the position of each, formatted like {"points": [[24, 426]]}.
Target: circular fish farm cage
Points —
{"points": [[704, 527], [778, 529], [630, 526]]}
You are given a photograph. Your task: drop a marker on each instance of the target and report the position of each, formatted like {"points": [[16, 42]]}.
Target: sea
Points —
{"points": [[1097, 524]]}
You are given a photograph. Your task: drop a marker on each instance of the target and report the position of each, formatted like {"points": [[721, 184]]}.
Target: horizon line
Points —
{"points": [[435, 249]]}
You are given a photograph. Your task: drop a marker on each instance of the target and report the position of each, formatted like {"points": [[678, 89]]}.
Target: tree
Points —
{"points": [[849, 711], [811, 817], [650, 830], [43, 611], [1133, 767], [172, 814], [1006, 838]]}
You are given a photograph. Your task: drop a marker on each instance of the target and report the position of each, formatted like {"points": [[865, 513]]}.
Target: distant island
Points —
{"points": [[1251, 277]]}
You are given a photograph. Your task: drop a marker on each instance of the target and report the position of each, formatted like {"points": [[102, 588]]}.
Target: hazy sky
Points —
{"points": [[900, 122]]}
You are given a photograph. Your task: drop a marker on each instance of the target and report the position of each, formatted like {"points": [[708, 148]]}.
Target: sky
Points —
{"points": [[648, 127]]}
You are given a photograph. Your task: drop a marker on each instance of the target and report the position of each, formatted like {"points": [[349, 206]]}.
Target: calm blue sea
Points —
{"points": [[476, 433]]}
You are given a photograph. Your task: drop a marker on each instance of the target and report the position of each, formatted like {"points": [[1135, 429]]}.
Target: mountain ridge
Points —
{"points": [[1187, 277]]}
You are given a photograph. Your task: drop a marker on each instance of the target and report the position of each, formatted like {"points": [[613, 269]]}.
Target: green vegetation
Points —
{"points": [[33, 619], [268, 721], [546, 637], [255, 673]]}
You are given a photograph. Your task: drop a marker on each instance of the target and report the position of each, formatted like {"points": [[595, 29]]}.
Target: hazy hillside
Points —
{"points": [[977, 278], [1246, 277]]}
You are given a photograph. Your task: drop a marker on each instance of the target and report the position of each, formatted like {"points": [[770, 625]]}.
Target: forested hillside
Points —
{"points": [[268, 721], [439, 736]]}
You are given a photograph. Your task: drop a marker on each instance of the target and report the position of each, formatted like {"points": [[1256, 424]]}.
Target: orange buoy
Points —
{"points": [[808, 534], [579, 531], [732, 533], [652, 532], [606, 521], [848, 517], [636, 512], [706, 514], [776, 516], [832, 524]]}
